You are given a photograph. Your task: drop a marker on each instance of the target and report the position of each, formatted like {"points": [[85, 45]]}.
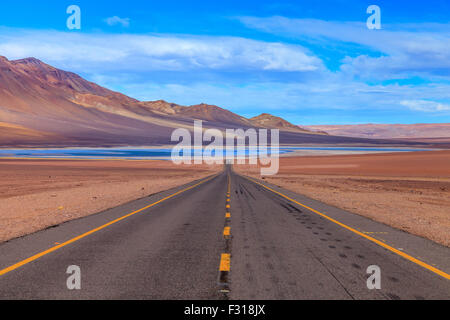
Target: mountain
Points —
{"points": [[269, 121], [436, 131], [42, 106], [53, 103], [201, 111]]}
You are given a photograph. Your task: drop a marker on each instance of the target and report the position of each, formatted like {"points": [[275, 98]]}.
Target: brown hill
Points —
{"points": [[201, 111], [266, 120], [212, 113], [44, 106]]}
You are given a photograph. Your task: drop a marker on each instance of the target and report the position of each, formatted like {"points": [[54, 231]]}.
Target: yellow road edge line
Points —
{"points": [[225, 262], [384, 245], [43, 253]]}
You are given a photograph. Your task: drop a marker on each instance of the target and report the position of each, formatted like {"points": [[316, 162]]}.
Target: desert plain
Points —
{"points": [[36, 194], [407, 190]]}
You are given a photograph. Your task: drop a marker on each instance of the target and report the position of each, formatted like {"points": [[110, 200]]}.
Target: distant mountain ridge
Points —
{"points": [[387, 131], [44, 106]]}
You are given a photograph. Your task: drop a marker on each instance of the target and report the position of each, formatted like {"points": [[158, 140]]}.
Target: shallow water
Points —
{"points": [[149, 153]]}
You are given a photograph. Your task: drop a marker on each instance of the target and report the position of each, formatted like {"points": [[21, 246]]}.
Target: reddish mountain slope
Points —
{"points": [[43, 106]]}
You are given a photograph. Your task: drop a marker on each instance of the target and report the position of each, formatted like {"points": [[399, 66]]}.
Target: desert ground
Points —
{"points": [[36, 194], [409, 191]]}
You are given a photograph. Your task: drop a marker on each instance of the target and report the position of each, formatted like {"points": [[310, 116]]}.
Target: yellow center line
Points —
{"points": [[227, 231], [228, 215], [380, 243], [225, 262], [41, 254], [228, 206]]}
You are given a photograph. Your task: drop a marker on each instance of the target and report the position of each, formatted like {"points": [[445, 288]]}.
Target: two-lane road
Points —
{"points": [[172, 245]]}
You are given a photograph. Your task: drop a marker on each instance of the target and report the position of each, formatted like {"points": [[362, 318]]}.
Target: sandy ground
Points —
{"points": [[36, 194], [409, 191]]}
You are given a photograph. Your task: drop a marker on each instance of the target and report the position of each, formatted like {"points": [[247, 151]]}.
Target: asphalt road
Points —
{"points": [[184, 245]]}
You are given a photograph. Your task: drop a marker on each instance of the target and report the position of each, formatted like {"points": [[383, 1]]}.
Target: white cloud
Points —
{"points": [[101, 52], [193, 69], [404, 49], [318, 96], [113, 21], [425, 105]]}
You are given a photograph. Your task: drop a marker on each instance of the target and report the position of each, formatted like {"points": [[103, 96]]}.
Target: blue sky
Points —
{"points": [[311, 62]]}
